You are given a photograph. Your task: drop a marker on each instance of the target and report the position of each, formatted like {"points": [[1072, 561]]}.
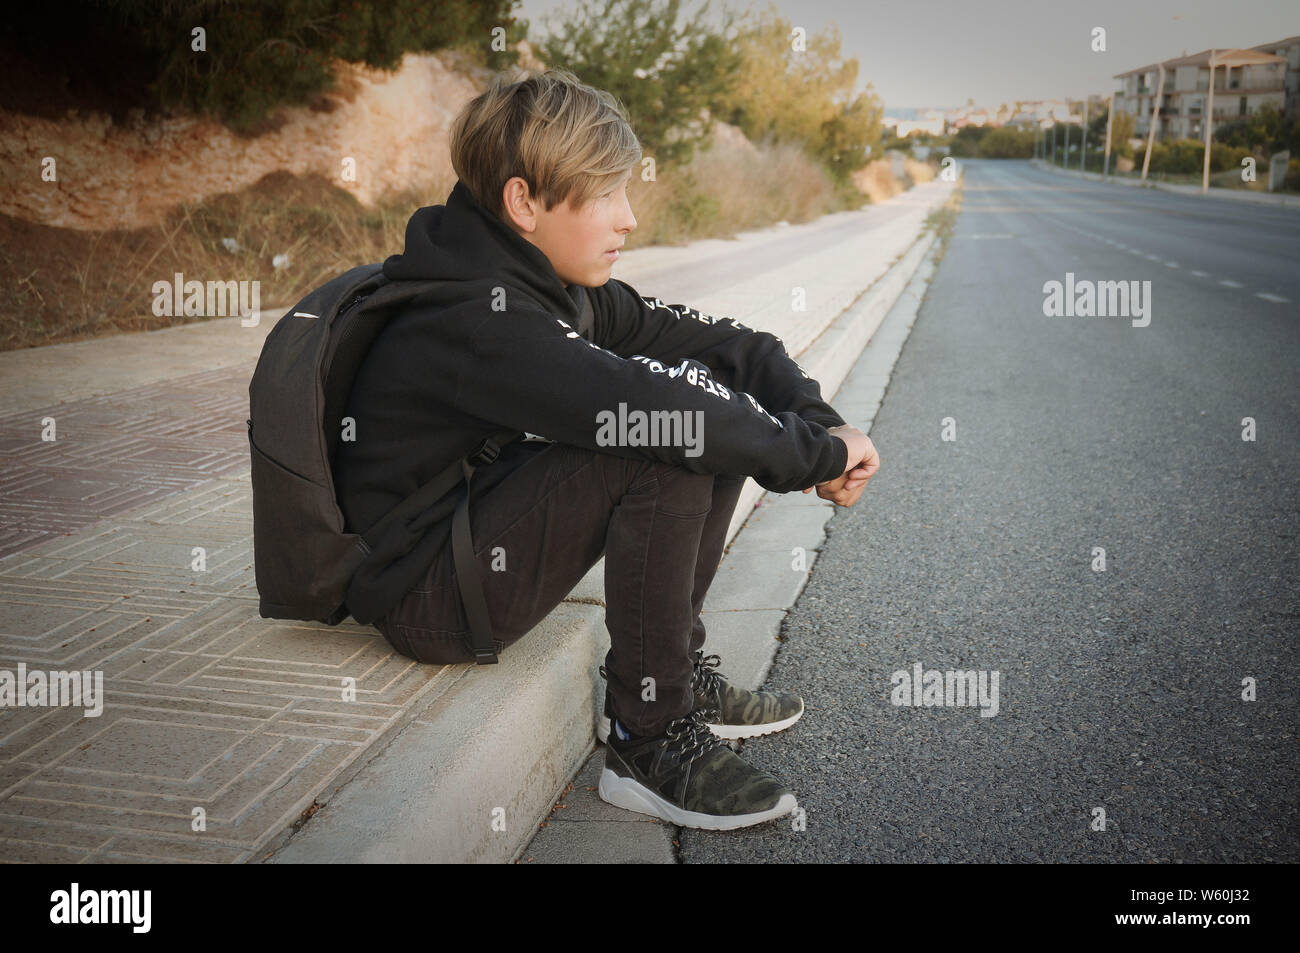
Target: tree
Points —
{"points": [[845, 138], [1122, 127], [1006, 142], [966, 141], [665, 76], [1265, 130], [251, 56], [803, 95]]}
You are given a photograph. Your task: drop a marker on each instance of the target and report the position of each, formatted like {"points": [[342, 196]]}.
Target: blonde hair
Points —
{"points": [[567, 140]]}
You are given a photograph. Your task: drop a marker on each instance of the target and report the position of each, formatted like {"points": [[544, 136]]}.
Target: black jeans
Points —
{"points": [[661, 529]]}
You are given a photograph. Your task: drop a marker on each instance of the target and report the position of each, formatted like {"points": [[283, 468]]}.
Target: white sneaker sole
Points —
{"points": [[631, 795], [722, 731]]}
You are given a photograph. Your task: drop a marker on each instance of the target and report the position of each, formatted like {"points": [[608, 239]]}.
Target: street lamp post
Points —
{"points": [[1155, 118], [1065, 149], [1209, 130], [1110, 112], [1083, 146]]}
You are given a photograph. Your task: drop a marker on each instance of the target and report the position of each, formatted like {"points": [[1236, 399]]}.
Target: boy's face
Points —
{"points": [[575, 241]]}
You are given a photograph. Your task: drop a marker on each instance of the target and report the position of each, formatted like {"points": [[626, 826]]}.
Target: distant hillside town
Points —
{"points": [[1244, 80]]}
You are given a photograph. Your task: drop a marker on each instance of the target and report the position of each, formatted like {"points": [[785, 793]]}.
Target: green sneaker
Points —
{"points": [[736, 712], [688, 777], [732, 712]]}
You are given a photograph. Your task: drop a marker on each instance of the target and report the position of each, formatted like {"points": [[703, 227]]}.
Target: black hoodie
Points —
{"points": [[505, 346]]}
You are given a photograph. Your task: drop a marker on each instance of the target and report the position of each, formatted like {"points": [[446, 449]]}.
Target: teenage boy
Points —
{"points": [[533, 334]]}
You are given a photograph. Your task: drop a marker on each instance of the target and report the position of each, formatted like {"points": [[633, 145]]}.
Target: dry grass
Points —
{"points": [[944, 219], [728, 189], [877, 178], [918, 173], [59, 284]]}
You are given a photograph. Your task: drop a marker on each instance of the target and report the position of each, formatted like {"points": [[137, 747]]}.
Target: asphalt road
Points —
{"points": [[1118, 689]]}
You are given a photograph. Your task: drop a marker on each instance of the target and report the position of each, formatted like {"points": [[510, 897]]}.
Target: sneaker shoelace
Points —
{"points": [[691, 736], [705, 678]]}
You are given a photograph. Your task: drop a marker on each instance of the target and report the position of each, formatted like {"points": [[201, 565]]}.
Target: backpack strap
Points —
{"points": [[467, 570], [409, 511]]}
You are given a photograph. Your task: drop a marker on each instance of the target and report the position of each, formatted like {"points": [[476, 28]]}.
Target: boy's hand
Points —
{"points": [[863, 462]]}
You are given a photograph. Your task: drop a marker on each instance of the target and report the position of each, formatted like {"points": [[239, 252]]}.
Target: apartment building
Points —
{"points": [[1244, 80], [1290, 50]]}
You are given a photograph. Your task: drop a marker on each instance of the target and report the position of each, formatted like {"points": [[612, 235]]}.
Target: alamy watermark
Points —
{"points": [[658, 428], [211, 299], [1104, 299], [56, 689], [76, 905], [932, 688]]}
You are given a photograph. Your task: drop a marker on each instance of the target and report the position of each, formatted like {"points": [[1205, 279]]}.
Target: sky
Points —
{"points": [[918, 53]]}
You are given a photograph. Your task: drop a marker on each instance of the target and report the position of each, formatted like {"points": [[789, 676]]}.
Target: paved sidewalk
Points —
{"points": [[116, 453], [125, 548]]}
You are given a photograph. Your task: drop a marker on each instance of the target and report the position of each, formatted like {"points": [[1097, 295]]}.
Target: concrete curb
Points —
{"points": [[463, 781]]}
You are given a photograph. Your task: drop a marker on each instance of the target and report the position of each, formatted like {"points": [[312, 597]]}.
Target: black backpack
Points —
{"points": [[303, 559]]}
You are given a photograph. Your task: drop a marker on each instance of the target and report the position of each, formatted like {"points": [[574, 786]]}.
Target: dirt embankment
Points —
{"points": [[377, 133]]}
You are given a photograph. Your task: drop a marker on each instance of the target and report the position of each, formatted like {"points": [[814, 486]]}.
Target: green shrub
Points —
{"points": [[966, 141], [1007, 142], [256, 56], [1224, 157], [1292, 181]]}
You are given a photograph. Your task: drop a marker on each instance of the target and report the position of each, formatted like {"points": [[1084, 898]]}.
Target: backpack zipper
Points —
{"points": [[351, 304]]}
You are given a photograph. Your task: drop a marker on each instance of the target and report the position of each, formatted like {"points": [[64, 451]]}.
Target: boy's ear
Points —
{"points": [[516, 205]]}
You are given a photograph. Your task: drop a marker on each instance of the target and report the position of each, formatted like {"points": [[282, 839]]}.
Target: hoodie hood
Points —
{"points": [[464, 241]]}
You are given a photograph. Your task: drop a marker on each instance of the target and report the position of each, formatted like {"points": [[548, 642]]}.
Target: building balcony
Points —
{"points": [[1269, 86]]}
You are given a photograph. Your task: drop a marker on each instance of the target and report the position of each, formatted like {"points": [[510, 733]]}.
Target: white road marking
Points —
{"points": [[1271, 297], [1201, 274], [1230, 284]]}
